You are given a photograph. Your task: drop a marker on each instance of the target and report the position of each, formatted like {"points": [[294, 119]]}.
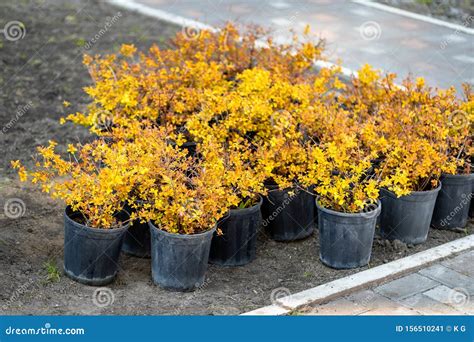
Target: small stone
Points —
{"points": [[459, 230], [29, 230], [70, 19], [410, 245], [398, 245]]}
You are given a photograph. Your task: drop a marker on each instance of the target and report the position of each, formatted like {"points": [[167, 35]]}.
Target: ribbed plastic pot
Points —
{"points": [[471, 209], [237, 244], [178, 261], [453, 202], [137, 240], [407, 218], [288, 218], [346, 238], [91, 255]]}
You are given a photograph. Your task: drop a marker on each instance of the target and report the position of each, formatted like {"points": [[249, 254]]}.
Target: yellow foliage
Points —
{"points": [[258, 112]]}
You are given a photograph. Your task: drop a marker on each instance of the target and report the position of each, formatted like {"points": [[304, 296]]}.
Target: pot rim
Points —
{"points": [[239, 211], [413, 193], [92, 229], [458, 175], [275, 188], [368, 214], [183, 236]]}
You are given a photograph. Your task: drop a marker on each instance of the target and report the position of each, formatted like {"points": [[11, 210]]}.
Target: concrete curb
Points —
{"points": [[456, 27], [159, 14], [365, 279]]}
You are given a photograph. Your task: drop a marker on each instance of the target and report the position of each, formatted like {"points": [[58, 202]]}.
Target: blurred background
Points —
{"points": [[430, 38]]}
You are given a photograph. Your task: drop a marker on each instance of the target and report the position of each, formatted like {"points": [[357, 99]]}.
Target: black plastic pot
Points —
{"points": [[407, 218], [346, 238], [237, 244], [453, 202], [471, 208], [178, 261], [137, 240], [288, 218], [91, 255]]}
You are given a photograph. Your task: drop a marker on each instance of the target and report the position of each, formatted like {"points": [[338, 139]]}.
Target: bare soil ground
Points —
{"points": [[44, 69]]}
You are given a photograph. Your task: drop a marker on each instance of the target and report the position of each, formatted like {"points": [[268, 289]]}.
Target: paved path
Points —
{"points": [[355, 33], [446, 288]]}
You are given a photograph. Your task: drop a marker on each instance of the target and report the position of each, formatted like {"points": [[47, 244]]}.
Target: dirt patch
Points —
{"points": [[45, 75], [26, 243], [44, 68], [459, 12]]}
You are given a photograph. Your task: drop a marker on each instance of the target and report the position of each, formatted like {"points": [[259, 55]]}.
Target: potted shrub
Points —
{"points": [[288, 209], [265, 110], [453, 202], [347, 200], [182, 198], [94, 188], [235, 241], [223, 122], [413, 162], [165, 86]]}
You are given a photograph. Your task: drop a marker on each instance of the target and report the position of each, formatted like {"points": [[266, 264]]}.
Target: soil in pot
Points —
{"points": [[236, 246], [453, 202], [91, 255], [178, 261], [288, 217], [407, 218], [346, 238]]}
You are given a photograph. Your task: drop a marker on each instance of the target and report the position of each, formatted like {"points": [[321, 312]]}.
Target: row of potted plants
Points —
{"points": [[200, 145]]}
